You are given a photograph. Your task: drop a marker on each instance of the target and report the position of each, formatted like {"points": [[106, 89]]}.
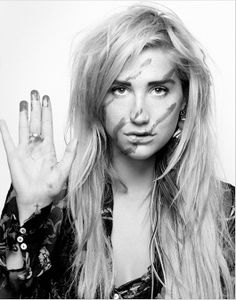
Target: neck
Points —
{"points": [[137, 175]]}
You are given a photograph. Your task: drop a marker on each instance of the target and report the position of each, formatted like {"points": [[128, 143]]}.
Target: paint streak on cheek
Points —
{"points": [[109, 101], [116, 130], [164, 116], [118, 127]]}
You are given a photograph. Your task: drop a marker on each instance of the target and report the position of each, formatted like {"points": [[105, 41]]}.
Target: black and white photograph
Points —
{"points": [[117, 149]]}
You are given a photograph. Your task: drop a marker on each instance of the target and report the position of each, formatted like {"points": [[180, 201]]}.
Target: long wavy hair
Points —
{"points": [[190, 238]]}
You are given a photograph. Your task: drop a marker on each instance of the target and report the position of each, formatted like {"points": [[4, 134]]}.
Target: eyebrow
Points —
{"points": [[165, 79]]}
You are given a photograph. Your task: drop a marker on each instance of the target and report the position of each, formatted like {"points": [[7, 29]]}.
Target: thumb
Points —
{"points": [[7, 140]]}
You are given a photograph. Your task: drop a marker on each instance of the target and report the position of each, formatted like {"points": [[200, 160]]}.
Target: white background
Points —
{"points": [[35, 50]]}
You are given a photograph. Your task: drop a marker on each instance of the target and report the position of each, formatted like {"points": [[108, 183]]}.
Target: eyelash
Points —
{"points": [[114, 89], [164, 90]]}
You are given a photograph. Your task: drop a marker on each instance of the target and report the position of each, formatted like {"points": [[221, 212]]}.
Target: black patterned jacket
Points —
{"points": [[46, 240]]}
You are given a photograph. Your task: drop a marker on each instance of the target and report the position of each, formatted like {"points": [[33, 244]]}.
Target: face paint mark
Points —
{"points": [[109, 102], [130, 150], [162, 118], [146, 62], [168, 75], [138, 113], [132, 77], [118, 127]]}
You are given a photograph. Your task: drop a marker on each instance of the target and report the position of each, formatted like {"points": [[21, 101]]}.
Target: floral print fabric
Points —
{"points": [[46, 241]]}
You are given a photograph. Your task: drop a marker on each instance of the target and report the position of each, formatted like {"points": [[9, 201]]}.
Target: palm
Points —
{"points": [[34, 171], [36, 175]]}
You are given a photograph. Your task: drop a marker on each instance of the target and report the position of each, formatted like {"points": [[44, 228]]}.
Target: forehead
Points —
{"points": [[154, 62]]}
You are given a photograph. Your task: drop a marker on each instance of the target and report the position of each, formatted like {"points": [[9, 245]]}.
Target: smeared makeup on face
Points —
{"points": [[130, 149], [118, 127], [132, 77], [109, 101], [138, 113], [144, 64], [164, 116], [116, 130]]}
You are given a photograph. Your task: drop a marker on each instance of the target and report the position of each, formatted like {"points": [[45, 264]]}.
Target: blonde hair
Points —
{"points": [[190, 235]]}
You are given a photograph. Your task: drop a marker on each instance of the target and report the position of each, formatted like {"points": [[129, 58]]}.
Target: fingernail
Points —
{"points": [[23, 105], [45, 101], [34, 95]]}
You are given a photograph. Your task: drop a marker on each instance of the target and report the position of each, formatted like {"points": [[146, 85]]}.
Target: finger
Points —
{"points": [[23, 123], [65, 164], [7, 140], [35, 116], [47, 126]]}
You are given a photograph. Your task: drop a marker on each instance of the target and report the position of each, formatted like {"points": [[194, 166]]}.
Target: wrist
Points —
{"points": [[28, 209]]}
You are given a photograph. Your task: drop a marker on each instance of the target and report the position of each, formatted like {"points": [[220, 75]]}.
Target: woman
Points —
{"points": [[143, 214]]}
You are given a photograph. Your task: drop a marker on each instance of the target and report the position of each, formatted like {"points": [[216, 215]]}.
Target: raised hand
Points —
{"points": [[36, 174]]}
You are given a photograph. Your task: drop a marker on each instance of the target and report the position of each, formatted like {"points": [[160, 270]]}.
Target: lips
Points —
{"points": [[140, 133]]}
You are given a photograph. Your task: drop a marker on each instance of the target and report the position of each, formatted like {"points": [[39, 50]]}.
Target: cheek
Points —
{"points": [[168, 127], [114, 121]]}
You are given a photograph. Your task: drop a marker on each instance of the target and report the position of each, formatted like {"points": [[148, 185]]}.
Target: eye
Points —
{"points": [[119, 90], [159, 91]]}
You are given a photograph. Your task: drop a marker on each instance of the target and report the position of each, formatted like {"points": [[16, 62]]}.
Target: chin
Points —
{"points": [[140, 154]]}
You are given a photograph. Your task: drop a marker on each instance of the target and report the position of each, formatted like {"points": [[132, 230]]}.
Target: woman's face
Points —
{"points": [[143, 104]]}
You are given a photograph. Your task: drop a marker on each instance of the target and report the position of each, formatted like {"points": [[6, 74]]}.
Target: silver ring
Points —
{"points": [[35, 137]]}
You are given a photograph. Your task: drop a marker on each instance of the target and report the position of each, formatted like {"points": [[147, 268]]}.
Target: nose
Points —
{"points": [[139, 115]]}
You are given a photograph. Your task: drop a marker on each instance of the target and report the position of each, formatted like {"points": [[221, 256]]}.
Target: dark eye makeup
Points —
{"points": [[118, 89], [160, 90], [154, 90]]}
